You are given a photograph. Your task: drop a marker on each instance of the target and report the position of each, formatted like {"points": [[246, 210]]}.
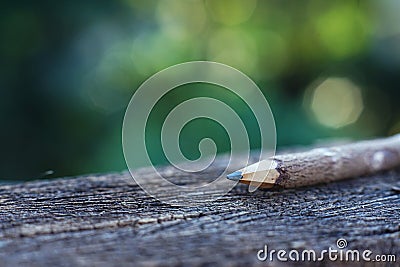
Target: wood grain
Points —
{"points": [[107, 220]]}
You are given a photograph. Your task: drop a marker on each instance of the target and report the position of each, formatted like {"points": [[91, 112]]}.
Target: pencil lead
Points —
{"points": [[235, 176]]}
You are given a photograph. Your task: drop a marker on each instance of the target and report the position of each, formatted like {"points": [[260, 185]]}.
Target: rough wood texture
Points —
{"points": [[107, 220]]}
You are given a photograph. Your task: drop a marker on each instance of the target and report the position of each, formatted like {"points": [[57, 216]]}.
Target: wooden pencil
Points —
{"points": [[322, 165]]}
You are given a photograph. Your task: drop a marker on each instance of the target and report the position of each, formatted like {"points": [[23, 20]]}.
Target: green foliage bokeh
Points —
{"points": [[69, 69]]}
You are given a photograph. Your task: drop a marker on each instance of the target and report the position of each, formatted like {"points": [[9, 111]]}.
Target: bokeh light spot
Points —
{"points": [[336, 102], [235, 48], [231, 12], [177, 21], [342, 31]]}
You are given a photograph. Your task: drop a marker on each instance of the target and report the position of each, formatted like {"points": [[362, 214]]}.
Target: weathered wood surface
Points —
{"points": [[107, 220]]}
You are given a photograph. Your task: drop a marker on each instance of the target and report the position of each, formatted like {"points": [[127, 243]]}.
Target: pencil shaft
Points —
{"points": [[329, 164]]}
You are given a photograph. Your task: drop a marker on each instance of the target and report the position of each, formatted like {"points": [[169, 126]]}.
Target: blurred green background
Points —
{"points": [[69, 68]]}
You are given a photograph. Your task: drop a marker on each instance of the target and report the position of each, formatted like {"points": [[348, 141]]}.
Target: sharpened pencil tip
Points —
{"points": [[235, 176]]}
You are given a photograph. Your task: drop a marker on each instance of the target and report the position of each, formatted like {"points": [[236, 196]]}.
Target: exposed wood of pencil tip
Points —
{"points": [[322, 165]]}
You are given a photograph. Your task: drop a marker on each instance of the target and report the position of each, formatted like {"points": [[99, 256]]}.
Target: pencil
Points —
{"points": [[322, 165]]}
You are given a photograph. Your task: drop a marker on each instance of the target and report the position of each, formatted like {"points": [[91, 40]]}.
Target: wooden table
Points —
{"points": [[107, 220]]}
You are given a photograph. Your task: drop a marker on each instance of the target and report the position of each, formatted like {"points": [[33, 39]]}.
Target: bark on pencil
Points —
{"points": [[322, 165]]}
